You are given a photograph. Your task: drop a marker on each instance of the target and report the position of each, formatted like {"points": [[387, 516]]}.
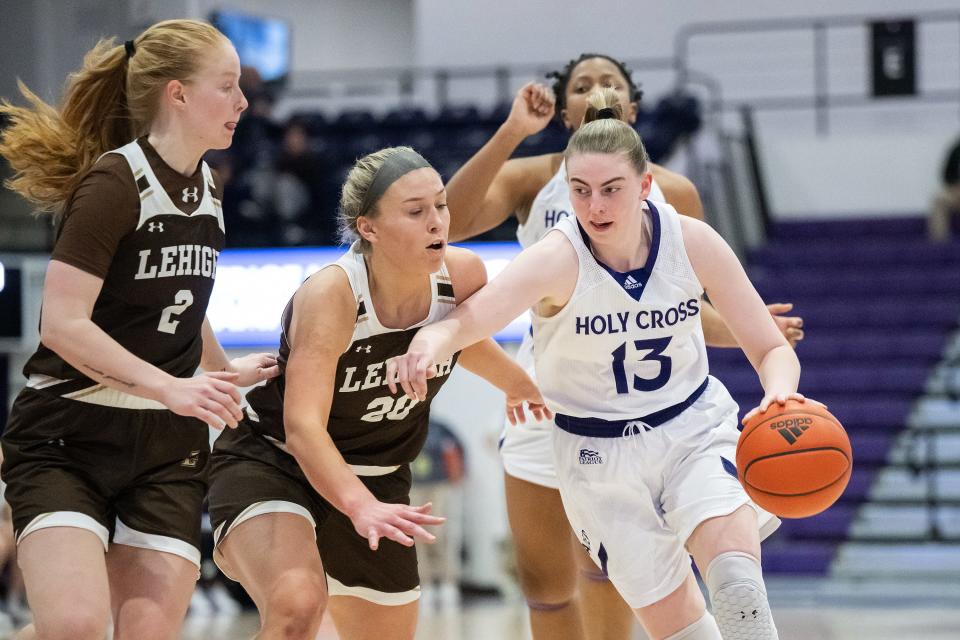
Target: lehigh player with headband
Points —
{"points": [[644, 438], [106, 450], [319, 470], [483, 193]]}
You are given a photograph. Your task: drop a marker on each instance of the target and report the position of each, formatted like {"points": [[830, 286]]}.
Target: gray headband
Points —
{"points": [[393, 168]]}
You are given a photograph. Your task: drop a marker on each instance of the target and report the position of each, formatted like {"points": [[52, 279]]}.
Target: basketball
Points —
{"points": [[794, 460]]}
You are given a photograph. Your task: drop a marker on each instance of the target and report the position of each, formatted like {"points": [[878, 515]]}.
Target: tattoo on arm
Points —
{"points": [[107, 376]]}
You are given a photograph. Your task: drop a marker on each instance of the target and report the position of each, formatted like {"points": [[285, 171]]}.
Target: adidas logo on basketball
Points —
{"points": [[590, 457], [631, 283], [792, 428]]}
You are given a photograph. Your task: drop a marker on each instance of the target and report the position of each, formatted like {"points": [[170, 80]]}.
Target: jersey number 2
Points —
{"points": [[183, 299], [656, 347]]}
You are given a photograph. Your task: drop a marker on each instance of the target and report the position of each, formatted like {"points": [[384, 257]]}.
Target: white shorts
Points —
{"points": [[527, 449], [634, 501]]}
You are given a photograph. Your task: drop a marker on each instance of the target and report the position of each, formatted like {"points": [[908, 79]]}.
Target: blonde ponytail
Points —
{"points": [[109, 102], [604, 131]]}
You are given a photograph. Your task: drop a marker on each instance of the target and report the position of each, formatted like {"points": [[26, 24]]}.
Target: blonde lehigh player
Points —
{"points": [[566, 601], [319, 471], [645, 438], [106, 450]]}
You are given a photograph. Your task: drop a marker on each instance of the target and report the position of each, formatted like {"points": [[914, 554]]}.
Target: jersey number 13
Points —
{"points": [[655, 348]]}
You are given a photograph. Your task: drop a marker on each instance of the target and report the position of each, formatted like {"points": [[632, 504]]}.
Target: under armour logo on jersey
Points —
{"points": [[191, 194], [155, 226], [192, 460], [364, 347], [792, 428]]}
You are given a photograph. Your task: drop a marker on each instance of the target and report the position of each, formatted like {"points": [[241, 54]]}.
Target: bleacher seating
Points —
{"points": [[878, 302]]}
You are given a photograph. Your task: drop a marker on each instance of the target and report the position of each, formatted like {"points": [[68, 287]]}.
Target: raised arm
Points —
{"points": [[543, 276], [490, 187], [324, 312], [66, 327]]}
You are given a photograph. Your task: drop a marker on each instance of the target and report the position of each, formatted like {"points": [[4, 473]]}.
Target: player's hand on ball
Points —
{"points": [[781, 399], [411, 371], [398, 522]]}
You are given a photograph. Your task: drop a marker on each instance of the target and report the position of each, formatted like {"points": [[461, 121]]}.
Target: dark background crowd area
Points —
{"points": [[281, 180]]}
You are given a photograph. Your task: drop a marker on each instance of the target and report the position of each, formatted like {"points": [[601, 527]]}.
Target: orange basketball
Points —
{"points": [[794, 460]]}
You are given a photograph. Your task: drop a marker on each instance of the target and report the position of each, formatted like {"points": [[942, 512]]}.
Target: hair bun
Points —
{"points": [[607, 113]]}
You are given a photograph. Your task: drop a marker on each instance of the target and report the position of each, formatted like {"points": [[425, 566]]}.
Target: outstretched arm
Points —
{"points": [[543, 275], [486, 358], [324, 312], [490, 362]]}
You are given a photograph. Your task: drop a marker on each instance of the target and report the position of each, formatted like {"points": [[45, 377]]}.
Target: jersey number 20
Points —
{"points": [[656, 347], [389, 408]]}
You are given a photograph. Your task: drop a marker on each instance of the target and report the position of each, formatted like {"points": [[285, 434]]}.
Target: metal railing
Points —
{"points": [[820, 98]]}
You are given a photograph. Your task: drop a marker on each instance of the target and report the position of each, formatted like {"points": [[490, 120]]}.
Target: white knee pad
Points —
{"points": [[703, 629], [739, 598]]}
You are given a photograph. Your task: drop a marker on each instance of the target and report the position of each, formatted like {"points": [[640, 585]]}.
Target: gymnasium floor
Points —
{"points": [[805, 610]]}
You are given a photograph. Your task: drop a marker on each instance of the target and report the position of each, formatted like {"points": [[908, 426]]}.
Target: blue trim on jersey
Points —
{"points": [[602, 557], [633, 282], [600, 428], [728, 466]]}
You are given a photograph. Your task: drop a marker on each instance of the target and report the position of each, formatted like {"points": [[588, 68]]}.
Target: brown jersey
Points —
{"points": [[370, 426], [153, 236]]}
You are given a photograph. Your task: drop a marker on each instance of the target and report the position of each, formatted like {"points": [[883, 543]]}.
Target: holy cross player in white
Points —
{"points": [[645, 437], [568, 598]]}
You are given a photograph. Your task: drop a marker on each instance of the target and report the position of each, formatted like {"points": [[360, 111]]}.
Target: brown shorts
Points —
{"points": [[250, 476], [132, 476]]}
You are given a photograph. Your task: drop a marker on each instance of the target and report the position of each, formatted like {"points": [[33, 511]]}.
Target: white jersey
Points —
{"points": [[626, 346], [553, 204], [526, 449]]}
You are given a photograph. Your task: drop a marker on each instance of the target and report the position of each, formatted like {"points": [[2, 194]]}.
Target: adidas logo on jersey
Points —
{"points": [[590, 457], [584, 540], [792, 428], [631, 283]]}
